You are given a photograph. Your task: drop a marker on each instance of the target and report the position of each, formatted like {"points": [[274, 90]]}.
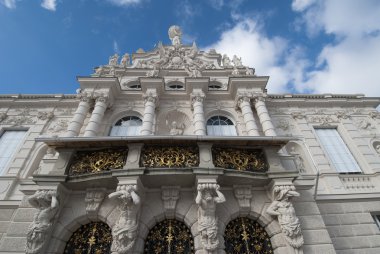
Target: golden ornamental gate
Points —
{"points": [[169, 236], [246, 236]]}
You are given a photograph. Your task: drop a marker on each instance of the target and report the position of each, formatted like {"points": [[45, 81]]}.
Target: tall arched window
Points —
{"points": [[127, 126], [220, 126]]}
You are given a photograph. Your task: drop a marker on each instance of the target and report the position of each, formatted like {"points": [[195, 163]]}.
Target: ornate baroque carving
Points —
{"points": [[240, 159], [47, 203], [97, 161], [286, 215], [167, 157], [170, 195], [93, 199], [124, 232], [243, 195], [207, 198]]}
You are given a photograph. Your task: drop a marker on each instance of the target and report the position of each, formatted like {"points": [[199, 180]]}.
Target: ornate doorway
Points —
{"points": [[246, 236], [92, 238], [169, 236]]}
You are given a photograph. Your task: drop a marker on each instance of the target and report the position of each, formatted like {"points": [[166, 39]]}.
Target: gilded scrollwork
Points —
{"points": [[168, 157], [85, 162], [239, 159]]}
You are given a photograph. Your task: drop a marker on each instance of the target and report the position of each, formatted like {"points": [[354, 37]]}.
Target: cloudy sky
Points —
{"points": [[305, 46]]}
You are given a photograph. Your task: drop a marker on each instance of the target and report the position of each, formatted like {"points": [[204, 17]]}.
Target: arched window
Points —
{"points": [[220, 126], [243, 235], [94, 237], [169, 236], [127, 126]]}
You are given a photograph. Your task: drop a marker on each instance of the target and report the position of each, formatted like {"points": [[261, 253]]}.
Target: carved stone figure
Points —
{"points": [[249, 71], [237, 61], [207, 221], [235, 72], [175, 34], [176, 129], [47, 203], [286, 215], [226, 61], [153, 73], [113, 60], [99, 70], [124, 231], [125, 60]]}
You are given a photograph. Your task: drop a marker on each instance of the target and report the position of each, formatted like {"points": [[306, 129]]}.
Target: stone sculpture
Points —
{"points": [[207, 221], [176, 129], [125, 60], [226, 61], [286, 215], [113, 60], [47, 203], [124, 232], [175, 34], [237, 61]]}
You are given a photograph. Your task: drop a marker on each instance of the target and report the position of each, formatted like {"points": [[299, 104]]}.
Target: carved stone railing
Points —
{"points": [[98, 161], [169, 156], [252, 160]]}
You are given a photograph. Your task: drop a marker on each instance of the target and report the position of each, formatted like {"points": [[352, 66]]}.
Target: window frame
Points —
{"points": [[17, 149], [328, 156], [120, 119], [228, 118]]}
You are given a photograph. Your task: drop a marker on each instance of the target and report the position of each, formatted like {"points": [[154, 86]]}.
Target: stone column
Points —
{"points": [[264, 117], [100, 107], [80, 114], [199, 122], [150, 100], [244, 103]]}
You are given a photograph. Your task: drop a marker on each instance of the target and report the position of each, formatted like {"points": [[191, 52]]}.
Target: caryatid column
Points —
{"points": [[150, 100], [244, 103], [199, 122], [80, 114], [264, 117], [96, 118]]}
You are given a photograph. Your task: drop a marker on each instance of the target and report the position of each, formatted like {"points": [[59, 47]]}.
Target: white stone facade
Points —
{"points": [[174, 90]]}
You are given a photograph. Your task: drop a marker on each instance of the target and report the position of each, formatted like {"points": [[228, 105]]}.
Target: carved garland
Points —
{"points": [[97, 161], [239, 159], [167, 157]]}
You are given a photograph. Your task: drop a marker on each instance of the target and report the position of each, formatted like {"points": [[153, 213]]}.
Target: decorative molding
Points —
{"points": [[298, 115], [170, 195], [323, 120], [243, 194], [94, 197], [357, 183]]}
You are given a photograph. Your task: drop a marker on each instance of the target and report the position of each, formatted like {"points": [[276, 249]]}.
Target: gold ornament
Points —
{"points": [[167, 157]]}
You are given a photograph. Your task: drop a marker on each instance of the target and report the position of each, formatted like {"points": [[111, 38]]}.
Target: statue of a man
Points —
{"points": [[47, 204], [176, 129], [207, 221], [113, 60], [175, 34], [125, 60], [226, 61], [286, 215], [237, 61], [124, 231]]}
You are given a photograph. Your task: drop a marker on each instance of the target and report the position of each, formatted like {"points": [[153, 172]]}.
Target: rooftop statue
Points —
{"points": [[175, 34]]}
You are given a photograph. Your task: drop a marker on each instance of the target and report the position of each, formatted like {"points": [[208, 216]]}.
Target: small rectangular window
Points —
{"points": [[377, 220], [337, 151], [10, 141]]}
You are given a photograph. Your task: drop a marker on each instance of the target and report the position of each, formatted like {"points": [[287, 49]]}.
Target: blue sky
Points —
{"points": [[305, 46]]}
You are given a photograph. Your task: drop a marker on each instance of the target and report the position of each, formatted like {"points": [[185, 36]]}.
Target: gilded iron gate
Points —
{"points": [[246, 236], [91, 238], [171, 237]]}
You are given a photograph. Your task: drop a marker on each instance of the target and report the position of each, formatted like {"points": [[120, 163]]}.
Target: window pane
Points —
{"points": [[220, 126], [127, 126], [9, 143], [337, 151]]}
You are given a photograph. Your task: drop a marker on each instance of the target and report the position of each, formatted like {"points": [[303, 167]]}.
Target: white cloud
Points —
{"points": [[10, 4], [50, 5], [216, 4], [300, 5], [116, 47], [269, 56], [124, 3], [351, 63]]}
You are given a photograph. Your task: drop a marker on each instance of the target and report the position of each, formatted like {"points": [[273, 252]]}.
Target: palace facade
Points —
{"points": [[177, 150]]}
